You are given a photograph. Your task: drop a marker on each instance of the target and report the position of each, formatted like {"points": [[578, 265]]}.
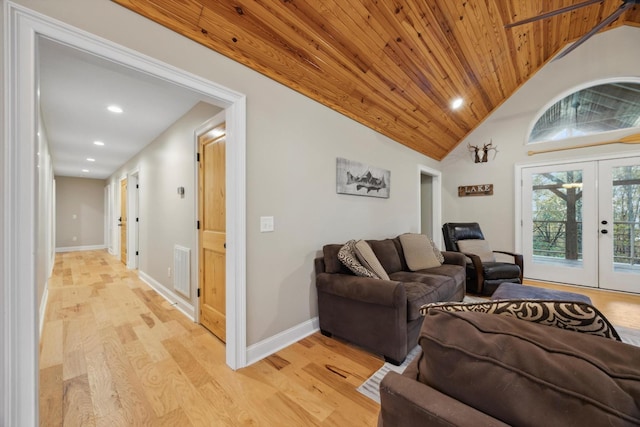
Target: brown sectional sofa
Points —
{"points": [[383, 316], [492, 370]]}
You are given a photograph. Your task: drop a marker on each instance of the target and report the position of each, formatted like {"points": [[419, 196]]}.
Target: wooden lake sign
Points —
{"points": [[475, 190]]}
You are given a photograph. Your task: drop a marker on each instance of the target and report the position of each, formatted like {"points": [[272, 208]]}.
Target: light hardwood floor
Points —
{"points": [[619, 308], [115, 353]]}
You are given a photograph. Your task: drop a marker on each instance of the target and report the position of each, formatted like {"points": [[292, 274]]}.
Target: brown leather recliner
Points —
{"points": [[482, 277]]}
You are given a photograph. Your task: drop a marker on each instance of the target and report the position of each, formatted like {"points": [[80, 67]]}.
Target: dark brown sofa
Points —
{"points": [[383, 316], [479, 369]]}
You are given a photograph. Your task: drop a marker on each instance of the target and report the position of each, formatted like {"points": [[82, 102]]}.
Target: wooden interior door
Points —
{"points": [[123, 221], [212, 235]]}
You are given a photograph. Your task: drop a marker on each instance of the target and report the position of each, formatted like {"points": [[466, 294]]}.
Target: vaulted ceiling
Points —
{"points": [[394, 66]]}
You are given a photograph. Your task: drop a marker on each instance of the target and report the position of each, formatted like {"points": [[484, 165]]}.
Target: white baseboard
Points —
{"points": [[178, 302], [80, 248], [279, 341], [43, 306], [52, 263], [255, 352]]}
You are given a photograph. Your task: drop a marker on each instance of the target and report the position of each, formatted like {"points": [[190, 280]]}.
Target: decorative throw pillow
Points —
{"points": [[478, 247], [418, 251], [348, 257], [369, 259], [570, 315], [436, 251]]}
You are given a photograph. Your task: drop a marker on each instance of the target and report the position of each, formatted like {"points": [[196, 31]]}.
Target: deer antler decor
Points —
{"points": [[476, 150]]}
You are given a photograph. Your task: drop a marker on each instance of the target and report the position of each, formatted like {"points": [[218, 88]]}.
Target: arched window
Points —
{"points": [[596, 109]]}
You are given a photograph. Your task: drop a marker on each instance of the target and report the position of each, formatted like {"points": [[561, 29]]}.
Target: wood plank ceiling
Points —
{"points": [[394, 66]]}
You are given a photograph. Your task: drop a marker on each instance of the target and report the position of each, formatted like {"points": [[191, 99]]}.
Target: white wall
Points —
{"points": [[80, 213], [615, 53], [291, 176]]}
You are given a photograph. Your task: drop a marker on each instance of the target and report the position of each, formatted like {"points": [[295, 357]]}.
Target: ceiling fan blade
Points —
{"points": [[553, 13], [615, 15]]}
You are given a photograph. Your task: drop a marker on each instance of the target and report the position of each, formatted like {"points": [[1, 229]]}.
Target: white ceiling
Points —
{"points": [[75, 89]]}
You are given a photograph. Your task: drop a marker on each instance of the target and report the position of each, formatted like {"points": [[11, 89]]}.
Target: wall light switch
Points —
{"points": [[266, 224]]}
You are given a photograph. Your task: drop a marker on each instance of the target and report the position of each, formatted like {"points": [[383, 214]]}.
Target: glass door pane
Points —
{"points": [[620, 224], [558, 206]]}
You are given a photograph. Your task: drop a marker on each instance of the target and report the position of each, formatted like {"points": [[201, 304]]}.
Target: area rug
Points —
{"points": [[629, 335], [370, 387]]}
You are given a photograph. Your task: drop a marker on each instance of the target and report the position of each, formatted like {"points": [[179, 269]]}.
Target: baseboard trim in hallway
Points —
{"points": [[271, 345], [80, 248], [172, 298]]}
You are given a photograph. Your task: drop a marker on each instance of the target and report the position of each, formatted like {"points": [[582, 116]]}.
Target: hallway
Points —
{"points": [[115, 353]]}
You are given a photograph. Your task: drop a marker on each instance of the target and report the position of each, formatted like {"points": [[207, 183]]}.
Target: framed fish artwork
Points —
{"points": [[358, 179]]}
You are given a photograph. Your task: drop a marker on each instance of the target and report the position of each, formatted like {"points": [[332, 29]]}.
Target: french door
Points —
{"points": [[581, 223]]}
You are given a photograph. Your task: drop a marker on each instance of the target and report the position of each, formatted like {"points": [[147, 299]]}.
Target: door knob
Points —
{"points": [[604, 222], [604, 231]]}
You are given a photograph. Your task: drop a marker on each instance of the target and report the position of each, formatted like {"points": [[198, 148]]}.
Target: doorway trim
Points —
{"points": [[219, 118], [107, 217], [22, 26], [133, 180], [436, 202], [119, 225]]}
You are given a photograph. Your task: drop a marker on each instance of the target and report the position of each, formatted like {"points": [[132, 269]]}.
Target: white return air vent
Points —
{"points": [[182, 270]]}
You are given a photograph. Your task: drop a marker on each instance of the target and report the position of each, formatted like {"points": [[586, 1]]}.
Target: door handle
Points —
{"points": [[604, 231], [604, 222]]}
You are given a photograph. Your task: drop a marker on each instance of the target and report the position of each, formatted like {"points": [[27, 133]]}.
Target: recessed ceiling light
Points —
{"points": [[98, 143], [457, 103], [89, 159], [114, 109], [85, 170]]}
